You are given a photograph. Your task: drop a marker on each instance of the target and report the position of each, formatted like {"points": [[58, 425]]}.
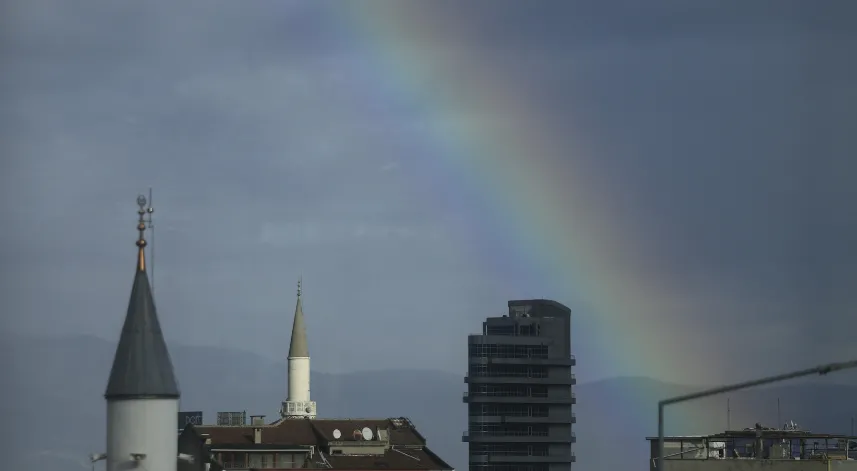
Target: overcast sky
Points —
{"points": [[724, 133]]}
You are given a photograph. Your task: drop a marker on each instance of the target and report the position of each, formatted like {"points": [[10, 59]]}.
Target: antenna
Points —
{"points": [[151, 228], [728, 415], [778, 412], [367, 433], [337, 434]]}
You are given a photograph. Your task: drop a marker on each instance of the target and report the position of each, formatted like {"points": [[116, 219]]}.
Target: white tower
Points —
{"points": [[298, 404], [142, 393]]}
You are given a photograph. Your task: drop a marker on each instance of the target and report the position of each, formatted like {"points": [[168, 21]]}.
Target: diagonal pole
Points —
{"points": [[819, 370]]}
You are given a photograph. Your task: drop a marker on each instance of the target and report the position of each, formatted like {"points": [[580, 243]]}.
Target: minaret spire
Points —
{"points": [[142, 393], [141, 241], [298, 347], [298, 403]]}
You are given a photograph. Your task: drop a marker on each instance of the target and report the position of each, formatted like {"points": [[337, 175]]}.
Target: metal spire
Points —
{"points": [[141, 241], [141, 367], [298, 346], [151, 228]]}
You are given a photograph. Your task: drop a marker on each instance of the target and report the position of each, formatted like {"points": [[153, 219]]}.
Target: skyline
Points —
{"points": [[385, 153]]}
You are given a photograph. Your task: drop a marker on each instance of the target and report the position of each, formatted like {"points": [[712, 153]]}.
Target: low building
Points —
{"points": [[339, 444], [786, 449], [192, 443], [298, 439]]}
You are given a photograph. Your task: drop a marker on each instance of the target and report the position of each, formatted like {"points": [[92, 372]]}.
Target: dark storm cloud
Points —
{"points": [[726, 129], [725, 133]]}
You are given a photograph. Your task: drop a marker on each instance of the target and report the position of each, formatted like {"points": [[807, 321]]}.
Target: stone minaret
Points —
{"points": [[142, 393], [298, 404]]}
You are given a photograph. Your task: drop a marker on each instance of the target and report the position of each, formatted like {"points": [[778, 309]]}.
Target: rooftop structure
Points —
{"points": [[346, 444], [769, 447]]}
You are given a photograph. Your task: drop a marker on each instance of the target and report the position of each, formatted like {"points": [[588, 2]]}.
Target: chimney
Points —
{"points": [[257, 435], [257, 420]]}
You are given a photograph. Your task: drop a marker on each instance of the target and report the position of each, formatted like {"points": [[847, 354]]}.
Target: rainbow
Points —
{"points": [[541, 200]]}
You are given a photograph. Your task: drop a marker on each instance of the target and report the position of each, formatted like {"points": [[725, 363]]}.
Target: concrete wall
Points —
{"points": [[758, 465]]}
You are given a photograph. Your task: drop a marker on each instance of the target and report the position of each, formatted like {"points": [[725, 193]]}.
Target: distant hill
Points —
{"points": [[55, 413]]}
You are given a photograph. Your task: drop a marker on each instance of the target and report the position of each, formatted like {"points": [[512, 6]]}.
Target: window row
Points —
{"points": [[508, 449], [508, 390], [508, 351], [509, 371], [242, 460], [509, 430], [510, 467], [509, 410]]}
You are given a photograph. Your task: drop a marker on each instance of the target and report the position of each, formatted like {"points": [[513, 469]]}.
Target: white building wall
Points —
{"points": [[298, 380], [142, 426]]}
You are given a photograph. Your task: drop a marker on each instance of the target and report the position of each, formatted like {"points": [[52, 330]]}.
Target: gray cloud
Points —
{"points": [[726, 130]]}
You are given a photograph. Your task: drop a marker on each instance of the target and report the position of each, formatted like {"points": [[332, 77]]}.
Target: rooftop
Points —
{"points": [[763, 432], [394, 443]]}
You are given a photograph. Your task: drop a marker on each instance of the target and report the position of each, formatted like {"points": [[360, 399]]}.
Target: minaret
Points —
{"points": [[298, 404], [142, 394]]}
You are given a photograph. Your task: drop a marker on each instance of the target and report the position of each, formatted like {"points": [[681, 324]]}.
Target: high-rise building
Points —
{"points": [[519, 397]]}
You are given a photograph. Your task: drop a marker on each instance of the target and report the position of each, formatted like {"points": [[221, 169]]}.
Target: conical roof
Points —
{"points": [[298, 347], [141, 367]]}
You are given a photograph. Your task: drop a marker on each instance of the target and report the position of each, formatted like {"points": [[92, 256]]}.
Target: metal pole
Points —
{"points": [[660, 435], [151, 210], [819, 370], [728, 414], [778, 414]]}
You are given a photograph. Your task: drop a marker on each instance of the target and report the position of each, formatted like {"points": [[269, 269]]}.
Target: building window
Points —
{"points": [[509, 430], [510, 467], [500, 330], [233, 460], [509, 371], [508, 390], [508, 449], [285, 460], [491, 350], [509, 410], [261, 460]]}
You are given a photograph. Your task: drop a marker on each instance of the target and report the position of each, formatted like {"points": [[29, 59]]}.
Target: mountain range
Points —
{"points": [[55, 412]]}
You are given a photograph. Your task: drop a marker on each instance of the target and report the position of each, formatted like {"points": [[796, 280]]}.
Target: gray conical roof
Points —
{"points": [[298, 347], [142, 366]]}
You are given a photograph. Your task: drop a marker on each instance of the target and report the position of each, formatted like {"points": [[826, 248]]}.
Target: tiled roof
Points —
{"points": [[311, 432], [406, 459], [407, 449], [292, 432], [405, 435]]}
